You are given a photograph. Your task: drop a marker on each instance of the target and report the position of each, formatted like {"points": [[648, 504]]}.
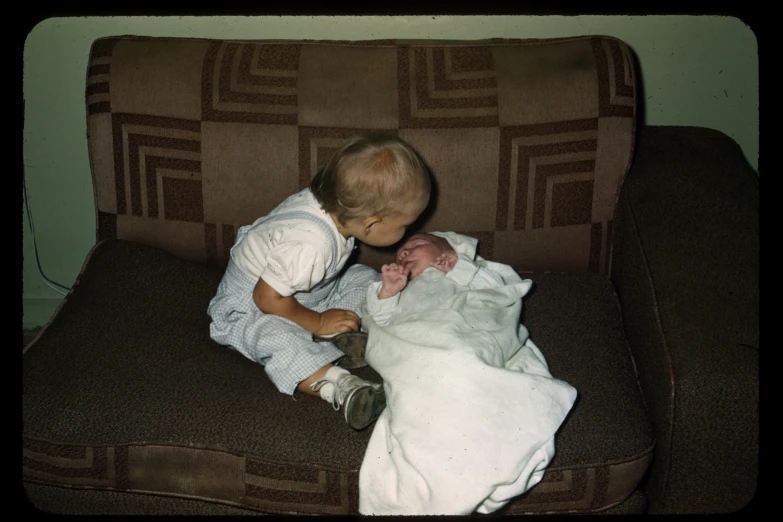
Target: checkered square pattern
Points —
{"points": [[528, 140]]}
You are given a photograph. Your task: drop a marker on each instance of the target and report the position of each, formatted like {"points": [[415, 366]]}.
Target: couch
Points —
{"points": [[642, 243]]}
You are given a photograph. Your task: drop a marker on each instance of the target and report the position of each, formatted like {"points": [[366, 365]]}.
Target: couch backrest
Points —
{"points": [[528, 140]]}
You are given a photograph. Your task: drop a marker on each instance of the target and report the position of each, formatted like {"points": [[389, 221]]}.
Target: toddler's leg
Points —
{"points": [[287, 352], [362, 401], [292, 359]]}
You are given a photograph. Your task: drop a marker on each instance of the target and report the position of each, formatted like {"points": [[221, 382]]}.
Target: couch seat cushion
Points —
{"points": [[125, 391]]}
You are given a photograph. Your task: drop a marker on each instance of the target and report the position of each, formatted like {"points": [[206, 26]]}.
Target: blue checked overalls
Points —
{"points": [[286, 350]]}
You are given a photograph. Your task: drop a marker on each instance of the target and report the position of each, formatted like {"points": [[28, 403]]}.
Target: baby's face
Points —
{"points": [[419, 252]]}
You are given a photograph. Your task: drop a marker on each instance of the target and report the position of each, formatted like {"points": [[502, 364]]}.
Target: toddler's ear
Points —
{"points": [[370, 222]]}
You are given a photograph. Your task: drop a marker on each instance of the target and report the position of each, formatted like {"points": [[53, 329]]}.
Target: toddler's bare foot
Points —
{"points": [[446, 261], [393, 279]]}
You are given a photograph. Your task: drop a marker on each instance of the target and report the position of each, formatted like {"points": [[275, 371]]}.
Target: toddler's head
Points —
{"points": [[420, 251], [375, 186]]}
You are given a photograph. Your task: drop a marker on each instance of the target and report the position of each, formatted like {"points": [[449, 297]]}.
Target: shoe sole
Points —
{"points": [[352, 344], [364, 406]]}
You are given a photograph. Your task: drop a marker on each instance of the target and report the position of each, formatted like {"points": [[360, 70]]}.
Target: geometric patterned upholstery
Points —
{"points": [[528, 140]]}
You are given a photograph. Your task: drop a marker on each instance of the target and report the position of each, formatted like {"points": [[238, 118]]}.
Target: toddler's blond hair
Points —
{"points": [[371, 174]]}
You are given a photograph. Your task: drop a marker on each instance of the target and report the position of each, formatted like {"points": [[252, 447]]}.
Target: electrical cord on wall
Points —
{"points": [[57, 287]]}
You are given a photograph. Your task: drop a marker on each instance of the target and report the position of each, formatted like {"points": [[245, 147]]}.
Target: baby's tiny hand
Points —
{"points": [[393, 279], [446, 261]]}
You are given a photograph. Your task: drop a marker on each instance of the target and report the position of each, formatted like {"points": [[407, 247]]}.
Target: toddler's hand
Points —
{"points": [[337, 320], [393, 279], [446, 261]]}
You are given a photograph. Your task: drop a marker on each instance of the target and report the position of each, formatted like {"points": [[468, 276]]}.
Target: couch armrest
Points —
{"points": [[686, 269]]}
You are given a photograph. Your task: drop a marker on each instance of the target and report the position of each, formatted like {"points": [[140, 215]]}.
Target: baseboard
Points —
{"points": [[38, 310]]}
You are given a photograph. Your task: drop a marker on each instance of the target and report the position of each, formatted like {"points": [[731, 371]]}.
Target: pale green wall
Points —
{"points": [[696, 70]]}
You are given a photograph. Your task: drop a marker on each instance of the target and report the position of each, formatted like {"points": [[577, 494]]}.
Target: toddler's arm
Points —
{"points": [[269, 301]]}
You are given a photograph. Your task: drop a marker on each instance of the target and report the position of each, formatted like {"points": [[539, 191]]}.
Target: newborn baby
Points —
{"points": [[439, 277], [422, 251], [471, 408], [418, 253]]}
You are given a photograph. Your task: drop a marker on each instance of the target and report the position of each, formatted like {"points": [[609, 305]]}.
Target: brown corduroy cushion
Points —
{"points": [[125, 390], [686, 268]]}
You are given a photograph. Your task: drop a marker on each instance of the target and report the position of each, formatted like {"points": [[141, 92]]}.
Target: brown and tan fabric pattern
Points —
{"points": [[529, 141]]}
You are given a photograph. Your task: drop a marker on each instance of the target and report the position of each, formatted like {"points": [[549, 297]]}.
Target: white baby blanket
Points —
{"points": [[472, 408]]}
